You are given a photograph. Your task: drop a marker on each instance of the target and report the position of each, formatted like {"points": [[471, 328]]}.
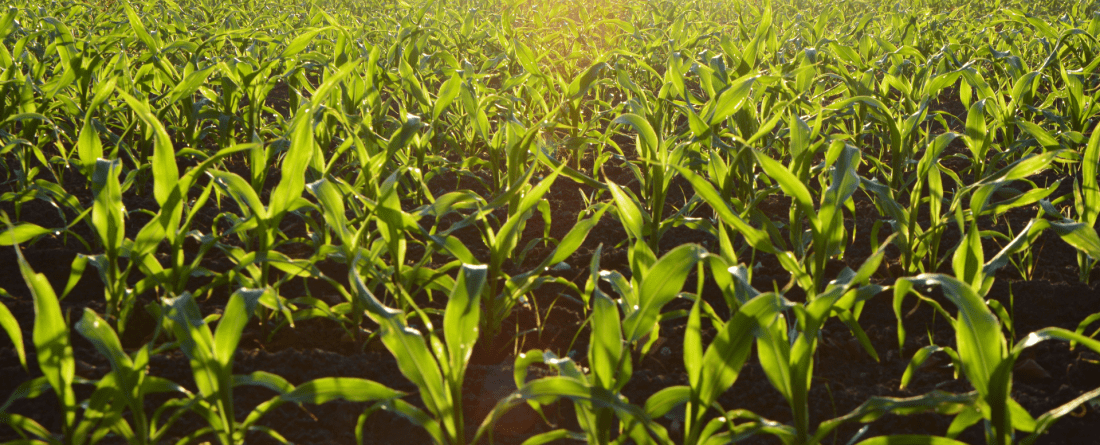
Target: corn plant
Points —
{"points": [[981, 350], [437, 366], [826, 223], [786, 352], [1086, 208], [211, 359], [987, 362], [55, 359], [126, 387], [102, 414]]}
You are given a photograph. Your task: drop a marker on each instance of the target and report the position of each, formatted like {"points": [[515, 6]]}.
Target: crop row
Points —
{"points": [[199, 150]]}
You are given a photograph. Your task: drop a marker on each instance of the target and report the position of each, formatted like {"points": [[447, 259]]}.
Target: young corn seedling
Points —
{"points": [[437, 366], [987, 362], [211, 359], [602, 412], [595, 392], [643, 216], [259, 224], [981, 351], [504, 291], [169, 224], [786, 352], [121, 390], [1086, 205], [714, 371], [827, 222], [918, 243], [126, 387], [55, 359]]}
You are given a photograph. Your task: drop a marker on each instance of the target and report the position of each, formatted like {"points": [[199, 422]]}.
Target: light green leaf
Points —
{"points": [[166, 174], [241, 306], [51, 339], [447, 94], [665, 280], [460, 320], [629, 213], [22, 233], [790, 183], [11, 326], [650, 144], [606, 347]]}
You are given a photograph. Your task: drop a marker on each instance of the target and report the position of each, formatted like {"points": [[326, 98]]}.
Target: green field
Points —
{"points": [[479, 221]]}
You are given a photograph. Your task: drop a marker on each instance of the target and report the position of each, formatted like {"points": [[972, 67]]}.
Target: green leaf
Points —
{"points": [[325, 390], [26, 424], [105, 340], [241, 190], [1054, 333], [732, 99], [22, 233], [979, 341], [575, 237], [447, 94], [1045, 421], [51, 339], [526, 58], [166, 174], [11, 326], [7, 21], [414, 359], [139, 29], [190, 83], [788, 182], [918, 359], [605, 350], [332, 206], [264, 379], [727, 353], [579, 85], [629, 213], [756, 238], [1090, 190], [300, 42], [294, 166], [558, 387], [665, 280], [461, 318], [969, 258], [1020, 169], [196, 342], [89, 147], [107, 214], [351, 389], [876, 407], [650, 145], [242, 304], [667, 399], [1079, 235], [555, 436], [693, 344]]}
